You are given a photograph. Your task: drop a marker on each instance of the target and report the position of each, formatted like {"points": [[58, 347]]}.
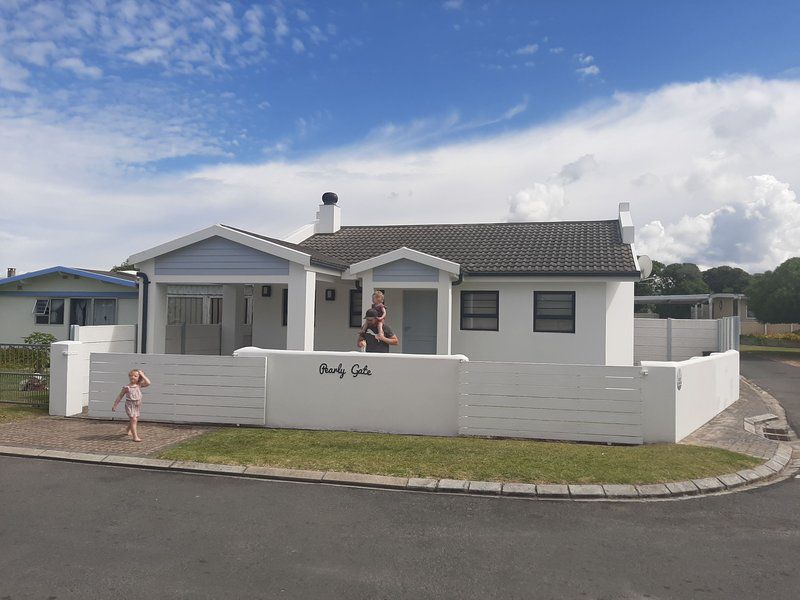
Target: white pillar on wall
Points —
{"points": [[69, 378], [157, 319], [367, 289], [300, 309], [444, 314], [232, 316]]}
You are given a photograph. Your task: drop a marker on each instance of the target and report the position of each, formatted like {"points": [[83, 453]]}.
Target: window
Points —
{"points": [[479, 311], [104, 312], [214, 311], [355, 308], [285, 307], [554, 312], [184, 309], [248, 310], [49, 311], [80, 311]]}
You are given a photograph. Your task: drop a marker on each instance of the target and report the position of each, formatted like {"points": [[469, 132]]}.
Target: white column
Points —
{"points": [[367, 289], [69, 378], [300, 312], [157, 318], [444, 314], [232, 316]]}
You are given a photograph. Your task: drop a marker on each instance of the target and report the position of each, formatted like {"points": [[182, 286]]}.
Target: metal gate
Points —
{"points": [[25, 374]]}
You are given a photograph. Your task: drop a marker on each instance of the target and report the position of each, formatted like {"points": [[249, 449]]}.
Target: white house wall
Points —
{"points": [[516, 340], [619, 323], [16, 312]]}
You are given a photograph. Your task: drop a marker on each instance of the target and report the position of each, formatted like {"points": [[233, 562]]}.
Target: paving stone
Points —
{"points": [[552, 490], [682, 488], [452, 485], [781, 460], [653, 490], [485, 487], [519, 489], [367, 480], [18, 451], [618, 490], [156, 463], [732, 480], [774, 466], [289, 474], [77, 456], [586, 491], [421, 483], [749, 475], [709, 484]]}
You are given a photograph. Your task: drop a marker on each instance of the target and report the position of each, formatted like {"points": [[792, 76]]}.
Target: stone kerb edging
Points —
{"points": [[694, 487]]}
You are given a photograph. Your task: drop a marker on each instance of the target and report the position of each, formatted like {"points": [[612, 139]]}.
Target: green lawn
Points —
{"points": [[772, 350], [15, 412], [459, 458]]}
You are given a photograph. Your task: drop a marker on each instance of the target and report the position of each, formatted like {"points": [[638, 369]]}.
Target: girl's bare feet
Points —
{"points": [[137, 439]]}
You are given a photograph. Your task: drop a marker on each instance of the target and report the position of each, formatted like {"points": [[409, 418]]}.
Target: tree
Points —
{"points": [[774, 296], [684, 278], [125, 266], [727, 280]]}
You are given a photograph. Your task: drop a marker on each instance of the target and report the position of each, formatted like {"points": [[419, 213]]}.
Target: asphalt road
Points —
{"points": [[780, 380], [88, 531]]}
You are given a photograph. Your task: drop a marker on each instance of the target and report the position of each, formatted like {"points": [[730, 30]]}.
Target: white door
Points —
{"points": [[419, 322]]}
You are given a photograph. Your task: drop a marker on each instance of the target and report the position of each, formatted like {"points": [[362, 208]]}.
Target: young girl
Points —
{"points": [[133, 400], [380, 307]]}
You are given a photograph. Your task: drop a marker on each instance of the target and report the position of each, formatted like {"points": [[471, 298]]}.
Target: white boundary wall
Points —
{"points": [[413, 394], [679, 397], [69, 396], [681, 339], [546, 401], [354, 391], [185, 388]]}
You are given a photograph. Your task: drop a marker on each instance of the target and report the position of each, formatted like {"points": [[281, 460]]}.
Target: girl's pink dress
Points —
{"points": [[133, 400]]}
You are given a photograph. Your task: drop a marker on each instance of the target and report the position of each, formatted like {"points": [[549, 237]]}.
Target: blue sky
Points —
{"points": [[182, 114]]}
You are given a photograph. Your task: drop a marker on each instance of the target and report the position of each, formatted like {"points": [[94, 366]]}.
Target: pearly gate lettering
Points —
{"points": [[355, 370]]}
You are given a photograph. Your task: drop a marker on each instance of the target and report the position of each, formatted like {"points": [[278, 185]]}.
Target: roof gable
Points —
{"points": [[106, 276]]}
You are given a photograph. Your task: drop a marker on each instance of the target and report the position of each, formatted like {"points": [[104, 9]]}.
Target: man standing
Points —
{"points": [[371, 339]]}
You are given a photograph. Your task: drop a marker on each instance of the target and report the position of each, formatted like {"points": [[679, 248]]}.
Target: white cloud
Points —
{"points": [[77, 66], [556, 50], [36, 53], [298, 46], [453, 4], [585, 59], [13, 77], [589, 71], [701, 188], [527, 50]]}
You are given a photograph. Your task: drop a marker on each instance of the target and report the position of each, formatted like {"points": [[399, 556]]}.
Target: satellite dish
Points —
{"points": [[646, 265]]}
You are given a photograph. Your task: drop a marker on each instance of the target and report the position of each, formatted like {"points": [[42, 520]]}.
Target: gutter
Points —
{"points": [[145, 298]]}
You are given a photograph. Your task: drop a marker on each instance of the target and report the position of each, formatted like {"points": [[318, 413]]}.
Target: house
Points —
{"points": [[703, 306], [50, 300], [533, 292]]}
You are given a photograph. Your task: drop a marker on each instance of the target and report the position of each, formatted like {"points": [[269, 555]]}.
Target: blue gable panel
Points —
{"points": [[405, 270], [218, 256]]}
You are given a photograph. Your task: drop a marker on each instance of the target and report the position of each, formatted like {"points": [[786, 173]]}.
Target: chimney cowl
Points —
{"points": [[11, 272], [329, 198]]}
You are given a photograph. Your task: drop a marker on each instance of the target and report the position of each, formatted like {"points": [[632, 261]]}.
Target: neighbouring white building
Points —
{"points": [[50, 300], [556, 292]]}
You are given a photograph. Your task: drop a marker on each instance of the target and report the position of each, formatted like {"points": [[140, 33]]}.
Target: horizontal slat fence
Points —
{"points": [[549, 401], [675, 339], [185, 388]]}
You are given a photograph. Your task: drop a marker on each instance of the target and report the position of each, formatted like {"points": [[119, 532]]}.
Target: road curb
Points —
{"points": [[773, 469]]}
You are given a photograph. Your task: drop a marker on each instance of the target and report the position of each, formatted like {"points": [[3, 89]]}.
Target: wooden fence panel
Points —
{"points": [[560, 402], [185, 388]]}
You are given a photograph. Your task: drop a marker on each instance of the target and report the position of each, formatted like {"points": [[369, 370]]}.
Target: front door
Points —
{"points": [[419, 322]]}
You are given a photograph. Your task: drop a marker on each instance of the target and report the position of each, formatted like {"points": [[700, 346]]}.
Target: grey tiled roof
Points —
{"points": [[551, 248], [317, 258]]}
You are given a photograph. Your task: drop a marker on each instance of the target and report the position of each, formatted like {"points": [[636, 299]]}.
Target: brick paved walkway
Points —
{"points": [[726, 430], [96, 437]]}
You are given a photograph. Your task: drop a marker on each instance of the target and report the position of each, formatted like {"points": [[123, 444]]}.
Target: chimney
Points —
{"points": [[11, 272], [329, 215], [625, 222]]}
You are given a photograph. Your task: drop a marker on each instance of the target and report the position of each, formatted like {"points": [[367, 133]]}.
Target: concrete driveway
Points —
{"points": [[779, 378]]}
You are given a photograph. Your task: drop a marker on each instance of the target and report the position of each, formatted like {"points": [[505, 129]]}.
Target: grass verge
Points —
{"points": [[772, 350], [15, 412], [480, 459]]}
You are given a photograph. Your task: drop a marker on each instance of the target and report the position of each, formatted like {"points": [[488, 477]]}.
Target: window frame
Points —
{"points": [[357, 312], [536, 317], [115, 312], [47, 312], [496, 315]]}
